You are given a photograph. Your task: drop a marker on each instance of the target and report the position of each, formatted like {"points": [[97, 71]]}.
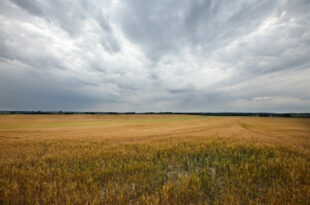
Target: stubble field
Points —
{"points": [[153, 159]]}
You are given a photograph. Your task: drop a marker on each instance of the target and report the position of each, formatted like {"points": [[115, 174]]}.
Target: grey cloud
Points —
{"points": [[30, 6], [139, 55], [30, 92], [71, 16], [181, 91], [166, 27]]}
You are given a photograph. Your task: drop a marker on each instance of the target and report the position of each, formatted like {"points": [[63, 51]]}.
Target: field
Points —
{"points": [[153, 159]]}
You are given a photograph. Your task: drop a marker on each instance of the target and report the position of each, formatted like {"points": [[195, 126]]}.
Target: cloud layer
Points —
{"points": [[204, 55]]}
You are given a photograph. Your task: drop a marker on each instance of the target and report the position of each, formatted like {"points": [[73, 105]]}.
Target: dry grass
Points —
{"points": [[153, 159]]}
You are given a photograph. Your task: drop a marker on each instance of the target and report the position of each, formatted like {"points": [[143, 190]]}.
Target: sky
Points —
{"points": [[155, 56]]}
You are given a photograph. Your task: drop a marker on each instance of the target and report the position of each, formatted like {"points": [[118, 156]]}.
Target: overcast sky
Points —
{"points": [[166, 55]]}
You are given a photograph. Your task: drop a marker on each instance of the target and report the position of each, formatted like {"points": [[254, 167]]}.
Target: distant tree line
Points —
{"points": [[259, 114]]}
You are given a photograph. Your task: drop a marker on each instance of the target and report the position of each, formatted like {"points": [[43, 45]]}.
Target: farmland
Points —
{"points": [[153, 159]]}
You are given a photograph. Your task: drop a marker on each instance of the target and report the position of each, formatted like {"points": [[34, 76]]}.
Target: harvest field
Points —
{"points": [[153, 159]]}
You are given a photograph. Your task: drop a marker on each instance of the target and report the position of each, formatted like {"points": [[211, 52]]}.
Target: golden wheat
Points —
{"points": [[153, 159]]}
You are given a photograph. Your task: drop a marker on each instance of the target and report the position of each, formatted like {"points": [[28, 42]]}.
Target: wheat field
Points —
{"points": [[153, 159]]}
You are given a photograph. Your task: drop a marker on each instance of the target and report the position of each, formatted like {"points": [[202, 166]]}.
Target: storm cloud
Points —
{"points": [[203, 56]]}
